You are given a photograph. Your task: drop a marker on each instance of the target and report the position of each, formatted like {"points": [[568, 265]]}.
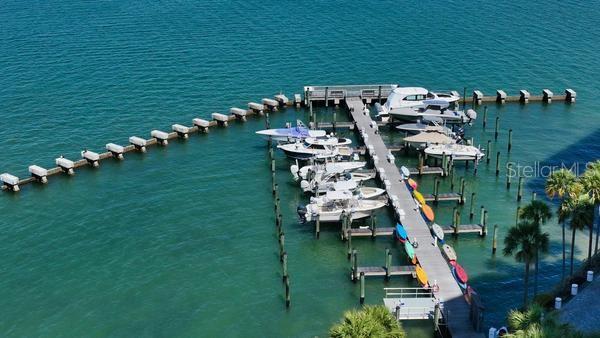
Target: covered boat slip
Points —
{"points": [[430, 256]]}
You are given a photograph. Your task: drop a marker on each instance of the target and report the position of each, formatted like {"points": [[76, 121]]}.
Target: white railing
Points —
{"points": [[408, 293]]}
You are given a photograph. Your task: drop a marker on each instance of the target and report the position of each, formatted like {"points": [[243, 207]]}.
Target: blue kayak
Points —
{"points": [[401, 233]]}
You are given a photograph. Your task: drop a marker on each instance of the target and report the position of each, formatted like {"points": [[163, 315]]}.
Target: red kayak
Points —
{"points": [[459, 273]]}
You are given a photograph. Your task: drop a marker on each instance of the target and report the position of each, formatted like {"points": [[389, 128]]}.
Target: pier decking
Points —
{"points": [[430, 256]]}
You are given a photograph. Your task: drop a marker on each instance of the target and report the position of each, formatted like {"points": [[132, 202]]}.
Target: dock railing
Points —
{"points": [[408, 293]]}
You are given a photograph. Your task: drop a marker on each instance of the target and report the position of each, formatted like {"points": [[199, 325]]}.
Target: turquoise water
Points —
{"points": [[181, 241]]}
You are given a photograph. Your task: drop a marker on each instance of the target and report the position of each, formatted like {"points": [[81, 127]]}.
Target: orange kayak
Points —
{"points": [[427, 212]]}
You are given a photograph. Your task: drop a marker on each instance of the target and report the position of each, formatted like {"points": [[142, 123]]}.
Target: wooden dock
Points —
{"points": [[479, 229], [387, 270], [426, 170], [443, 197], [430, 256], [368, 232]]}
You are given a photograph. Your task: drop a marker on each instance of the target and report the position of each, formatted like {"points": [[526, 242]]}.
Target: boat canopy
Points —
{"points": [[338, 195], [430, 137]]}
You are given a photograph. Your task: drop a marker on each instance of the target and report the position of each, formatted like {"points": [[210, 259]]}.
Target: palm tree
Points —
{"points": [[590, 180], [371, 321], [559, 184], [533, 322], [522, 241], [536, 212], [579, 209]]}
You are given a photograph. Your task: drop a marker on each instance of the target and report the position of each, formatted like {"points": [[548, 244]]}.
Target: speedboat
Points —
{"points": [[317, 148], [334, 205], [424, 125], [457, 152], [403, 97], [330, 167], [289, 133], [424, 139], [354, 188], [324, 182], [430, 109]]}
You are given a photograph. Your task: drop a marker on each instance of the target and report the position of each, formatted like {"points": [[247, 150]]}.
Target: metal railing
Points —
{"points": [[408, 293]]}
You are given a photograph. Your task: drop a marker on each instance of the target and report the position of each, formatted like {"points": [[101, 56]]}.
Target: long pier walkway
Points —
{"points": [[457, 311]]}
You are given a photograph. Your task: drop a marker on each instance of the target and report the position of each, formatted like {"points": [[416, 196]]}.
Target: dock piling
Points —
{"points": [[472, 209], [508, 175], [488, 151], [436, 190], [362, 288], [40, 174], [494, 240], [354, 262], [497, 163], [496, 128], [318, 227], [510, 132], [462, 190], [288, 300], [388, 263], [485, 110], [285, 267], [520, 189]]}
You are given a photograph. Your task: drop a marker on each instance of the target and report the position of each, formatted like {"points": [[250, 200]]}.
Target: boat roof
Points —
{"points": [[337, 195], [410, 91], [345, 185], [432, 137], [323, 140]]}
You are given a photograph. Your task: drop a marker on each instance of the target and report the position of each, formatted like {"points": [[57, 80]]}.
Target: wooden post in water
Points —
{"points": [[326, 96], [462, 190], [349, 247], [472, 211], [362, 288], [510, 131], [420, 168], [281, 245], [489, 151], [310, 107], [533, 196], [508, 175], [452, 180], [388, 263], [268, 122], [354, 264], [334, 119], [484, 117], [496, 128], [288, 298], [497, 163], [318, 226], [285, 267], [436, 190], [344, 225], [455, 221], [373, 225], [494, 240], [520, 189], [444, 164], [482, 215], [464, 97], [518, 215], [485, 221]]}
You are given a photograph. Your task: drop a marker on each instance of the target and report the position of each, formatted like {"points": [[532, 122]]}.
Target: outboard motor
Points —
{"points": [[294, 170], [471, 114], [301, 210], [305, 186]]}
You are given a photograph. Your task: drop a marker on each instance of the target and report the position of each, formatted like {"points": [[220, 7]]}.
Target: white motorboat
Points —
{"points": [[433, 109], [334, 204], [457, 152], [317, 148], [354, 188], [323, 182], [404, 97], [289, 133], [424, 125], [330, 167]]}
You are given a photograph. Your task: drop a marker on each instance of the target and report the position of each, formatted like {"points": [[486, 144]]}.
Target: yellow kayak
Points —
{"points": [[421, 276], [419, 197]]}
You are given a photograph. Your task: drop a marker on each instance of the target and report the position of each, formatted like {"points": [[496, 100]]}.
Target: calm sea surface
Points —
{"points": [[180, 242]]}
